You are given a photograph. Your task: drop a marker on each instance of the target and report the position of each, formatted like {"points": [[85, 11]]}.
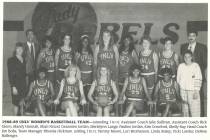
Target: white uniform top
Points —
{"points": [[189, 77]]}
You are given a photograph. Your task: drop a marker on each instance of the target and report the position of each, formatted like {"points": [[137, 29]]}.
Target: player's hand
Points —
{"points": [[121, 101], [22, 102], [150, 102], [56, 102], [14, 91], [111, 103], [83, 101]]}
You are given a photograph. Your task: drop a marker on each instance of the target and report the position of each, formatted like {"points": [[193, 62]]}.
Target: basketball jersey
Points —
{"points": [[167, 92], [125, 62], [48, 60], [85, 62], [70, 90], [41, 91], [103, 89], [167, 62], [134, 89], [146, 63], [64, 57], [107, 58]]}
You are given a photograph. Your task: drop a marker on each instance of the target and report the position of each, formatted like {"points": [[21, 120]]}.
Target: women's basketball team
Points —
{"points": [[107, 79]]}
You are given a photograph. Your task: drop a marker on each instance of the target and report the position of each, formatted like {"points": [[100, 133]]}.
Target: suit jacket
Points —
{"points": [[17, 74], [30, 61], [199, 55]]}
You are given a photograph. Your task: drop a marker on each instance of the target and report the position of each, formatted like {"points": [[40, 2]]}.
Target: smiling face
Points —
{"points": [[146, 44], [192, 37], [30, 36], [106, 37], [48, 43], [187, 58], [85, 42], [67, 40], [168, 45], [166, 77], [136, 73], [103, 71], [19, 50], [42, 75]]}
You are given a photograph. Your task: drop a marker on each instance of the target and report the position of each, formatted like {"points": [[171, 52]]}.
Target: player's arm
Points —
{"points": [[91, 91], [176, 59], [135, 56], [83, 100], [124, 88], [116, 55], [77, 55], [157, 87], [177, 91], [30, 91], [52, 90], [155, 58], [114, 89], [56, 101], [56, 58], [145, 89], [39, 59], [95, 55]]}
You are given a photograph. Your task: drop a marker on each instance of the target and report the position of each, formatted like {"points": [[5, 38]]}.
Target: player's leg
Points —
{"points": [[129, 109], [194, 104], [185, 106], [166, 111], [99, 111], [73, 108], [41, 108], [107, 111]]}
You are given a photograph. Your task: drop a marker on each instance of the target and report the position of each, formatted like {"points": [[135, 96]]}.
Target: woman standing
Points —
{"points": [[85, 63], [106, 53], [17, 78]]}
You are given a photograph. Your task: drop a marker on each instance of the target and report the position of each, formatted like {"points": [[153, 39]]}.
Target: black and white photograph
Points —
{"points": [[90, 59]]}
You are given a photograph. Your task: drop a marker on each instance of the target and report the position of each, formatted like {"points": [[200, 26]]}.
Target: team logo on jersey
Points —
{"points": [[55, 19], [123, 60]]}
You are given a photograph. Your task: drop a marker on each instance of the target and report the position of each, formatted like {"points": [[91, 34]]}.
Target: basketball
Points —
{"points": [[103, 101]]}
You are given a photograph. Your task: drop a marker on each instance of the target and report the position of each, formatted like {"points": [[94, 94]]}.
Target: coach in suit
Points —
{"points": [[31, 50], [199, 56]]}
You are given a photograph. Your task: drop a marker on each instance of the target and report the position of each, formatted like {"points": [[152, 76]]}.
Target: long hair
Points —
{"points": [[98, 76], [131, 44], [71, 39], [80, 47], [69, 68], [101, 41]]}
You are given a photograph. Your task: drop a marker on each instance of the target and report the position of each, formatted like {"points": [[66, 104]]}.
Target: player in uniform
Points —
{"points": [[40, 94], [106, 53], [64, 57], [85, 63], [71, 91], [168, 58], [127, 57], [46, 59], [167, 94], [103, 92], [134, 89], [148, 61]]}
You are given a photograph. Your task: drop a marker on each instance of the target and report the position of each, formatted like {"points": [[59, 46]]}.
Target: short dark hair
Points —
{"points": [[146, 38], [188, 52], [42, 69], [168, 39], [166, 71], [67, 34], [192, 31], [19, 44], [29, 30], [133, 67]]}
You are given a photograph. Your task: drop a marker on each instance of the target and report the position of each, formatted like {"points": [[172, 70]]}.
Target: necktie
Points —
{"points": [[190, 48], [32, 51]]}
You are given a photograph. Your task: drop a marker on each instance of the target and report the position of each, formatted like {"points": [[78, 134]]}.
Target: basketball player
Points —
{"points": [[41, 93], [71, 91], [64, 57], [168, 58], [106, 53], [148, 61], [106, 93], [84, 59], [167, 94], [46, 59], [127, 57], [134, 89]]}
